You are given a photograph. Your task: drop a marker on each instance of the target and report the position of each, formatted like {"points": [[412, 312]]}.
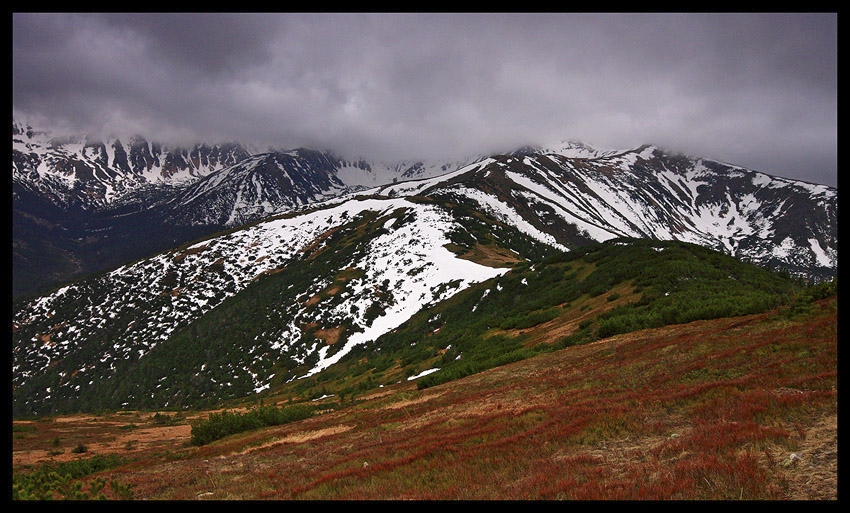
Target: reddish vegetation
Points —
{"points": [[706, 410]]}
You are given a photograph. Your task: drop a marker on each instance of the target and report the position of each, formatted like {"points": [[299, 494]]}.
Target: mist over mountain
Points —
{"points": [[423, 232]]}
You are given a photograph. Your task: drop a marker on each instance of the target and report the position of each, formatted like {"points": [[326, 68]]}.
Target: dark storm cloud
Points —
{"points": [[754, 90], [211, 44]]}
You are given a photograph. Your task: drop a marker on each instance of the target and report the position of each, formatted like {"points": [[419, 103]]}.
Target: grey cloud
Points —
{"points": [[751, 89]]}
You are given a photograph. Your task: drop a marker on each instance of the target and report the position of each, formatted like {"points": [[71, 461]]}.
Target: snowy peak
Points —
{"points": [[258, 187], [649, 193], [566, 194], [89, 173], [92, 174], [577, 149], [280, 181], [364, 173]]}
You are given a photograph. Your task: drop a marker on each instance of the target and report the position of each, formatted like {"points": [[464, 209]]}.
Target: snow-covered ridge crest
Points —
{"points": [[647, 192], [583, 192], [577, 149]]}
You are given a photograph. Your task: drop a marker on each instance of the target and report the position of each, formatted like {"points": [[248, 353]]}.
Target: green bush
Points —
{"points": [[226, 423], [161, 419], [59, 481], [822, 290]]}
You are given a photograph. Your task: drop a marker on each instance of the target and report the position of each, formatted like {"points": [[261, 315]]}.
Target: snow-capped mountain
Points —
{"points": [[282, 181], [366, 173], [96, 205], [569, 148], [258, 187], [649, 193], [371, 263], [81, 206], [90, 174]]}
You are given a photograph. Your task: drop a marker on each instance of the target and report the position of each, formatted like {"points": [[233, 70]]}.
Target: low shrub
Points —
{"points": [[226, 423], [59, 481]]}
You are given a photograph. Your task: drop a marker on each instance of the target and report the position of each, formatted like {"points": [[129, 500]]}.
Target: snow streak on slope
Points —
{"points": [[505, 213], [258, 187], [416, 248], [416, 187]]}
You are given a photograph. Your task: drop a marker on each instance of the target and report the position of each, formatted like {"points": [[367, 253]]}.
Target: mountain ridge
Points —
{"points": [[580, 195]]}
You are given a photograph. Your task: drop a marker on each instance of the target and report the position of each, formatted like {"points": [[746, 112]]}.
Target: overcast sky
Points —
{"points": [[757, 90]]}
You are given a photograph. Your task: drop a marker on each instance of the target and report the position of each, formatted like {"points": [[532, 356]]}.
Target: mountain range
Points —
{"points": [[82, 206], [219, 272]]}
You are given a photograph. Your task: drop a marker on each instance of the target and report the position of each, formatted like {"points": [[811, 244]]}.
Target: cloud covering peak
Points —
{"points": [[757, 90]]}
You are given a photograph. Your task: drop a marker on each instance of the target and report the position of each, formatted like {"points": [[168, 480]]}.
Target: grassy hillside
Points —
{"points": [[711, 409], [547, 301], [558, 301]]}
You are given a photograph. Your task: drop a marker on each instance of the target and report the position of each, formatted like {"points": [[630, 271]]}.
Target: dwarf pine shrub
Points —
{"points": [[60, 481], [226, 423]]}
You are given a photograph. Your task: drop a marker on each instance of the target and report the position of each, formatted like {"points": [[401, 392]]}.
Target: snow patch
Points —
{"points": [[423, 373]]}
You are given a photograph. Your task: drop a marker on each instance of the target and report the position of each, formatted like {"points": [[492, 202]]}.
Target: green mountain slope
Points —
{"points": [[561, 300], [296, 329], [276, 328]]}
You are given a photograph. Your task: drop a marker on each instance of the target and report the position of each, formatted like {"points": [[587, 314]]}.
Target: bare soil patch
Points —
{"points": [[188, 252], [297, 438], [330, 335], [491, 256]]}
